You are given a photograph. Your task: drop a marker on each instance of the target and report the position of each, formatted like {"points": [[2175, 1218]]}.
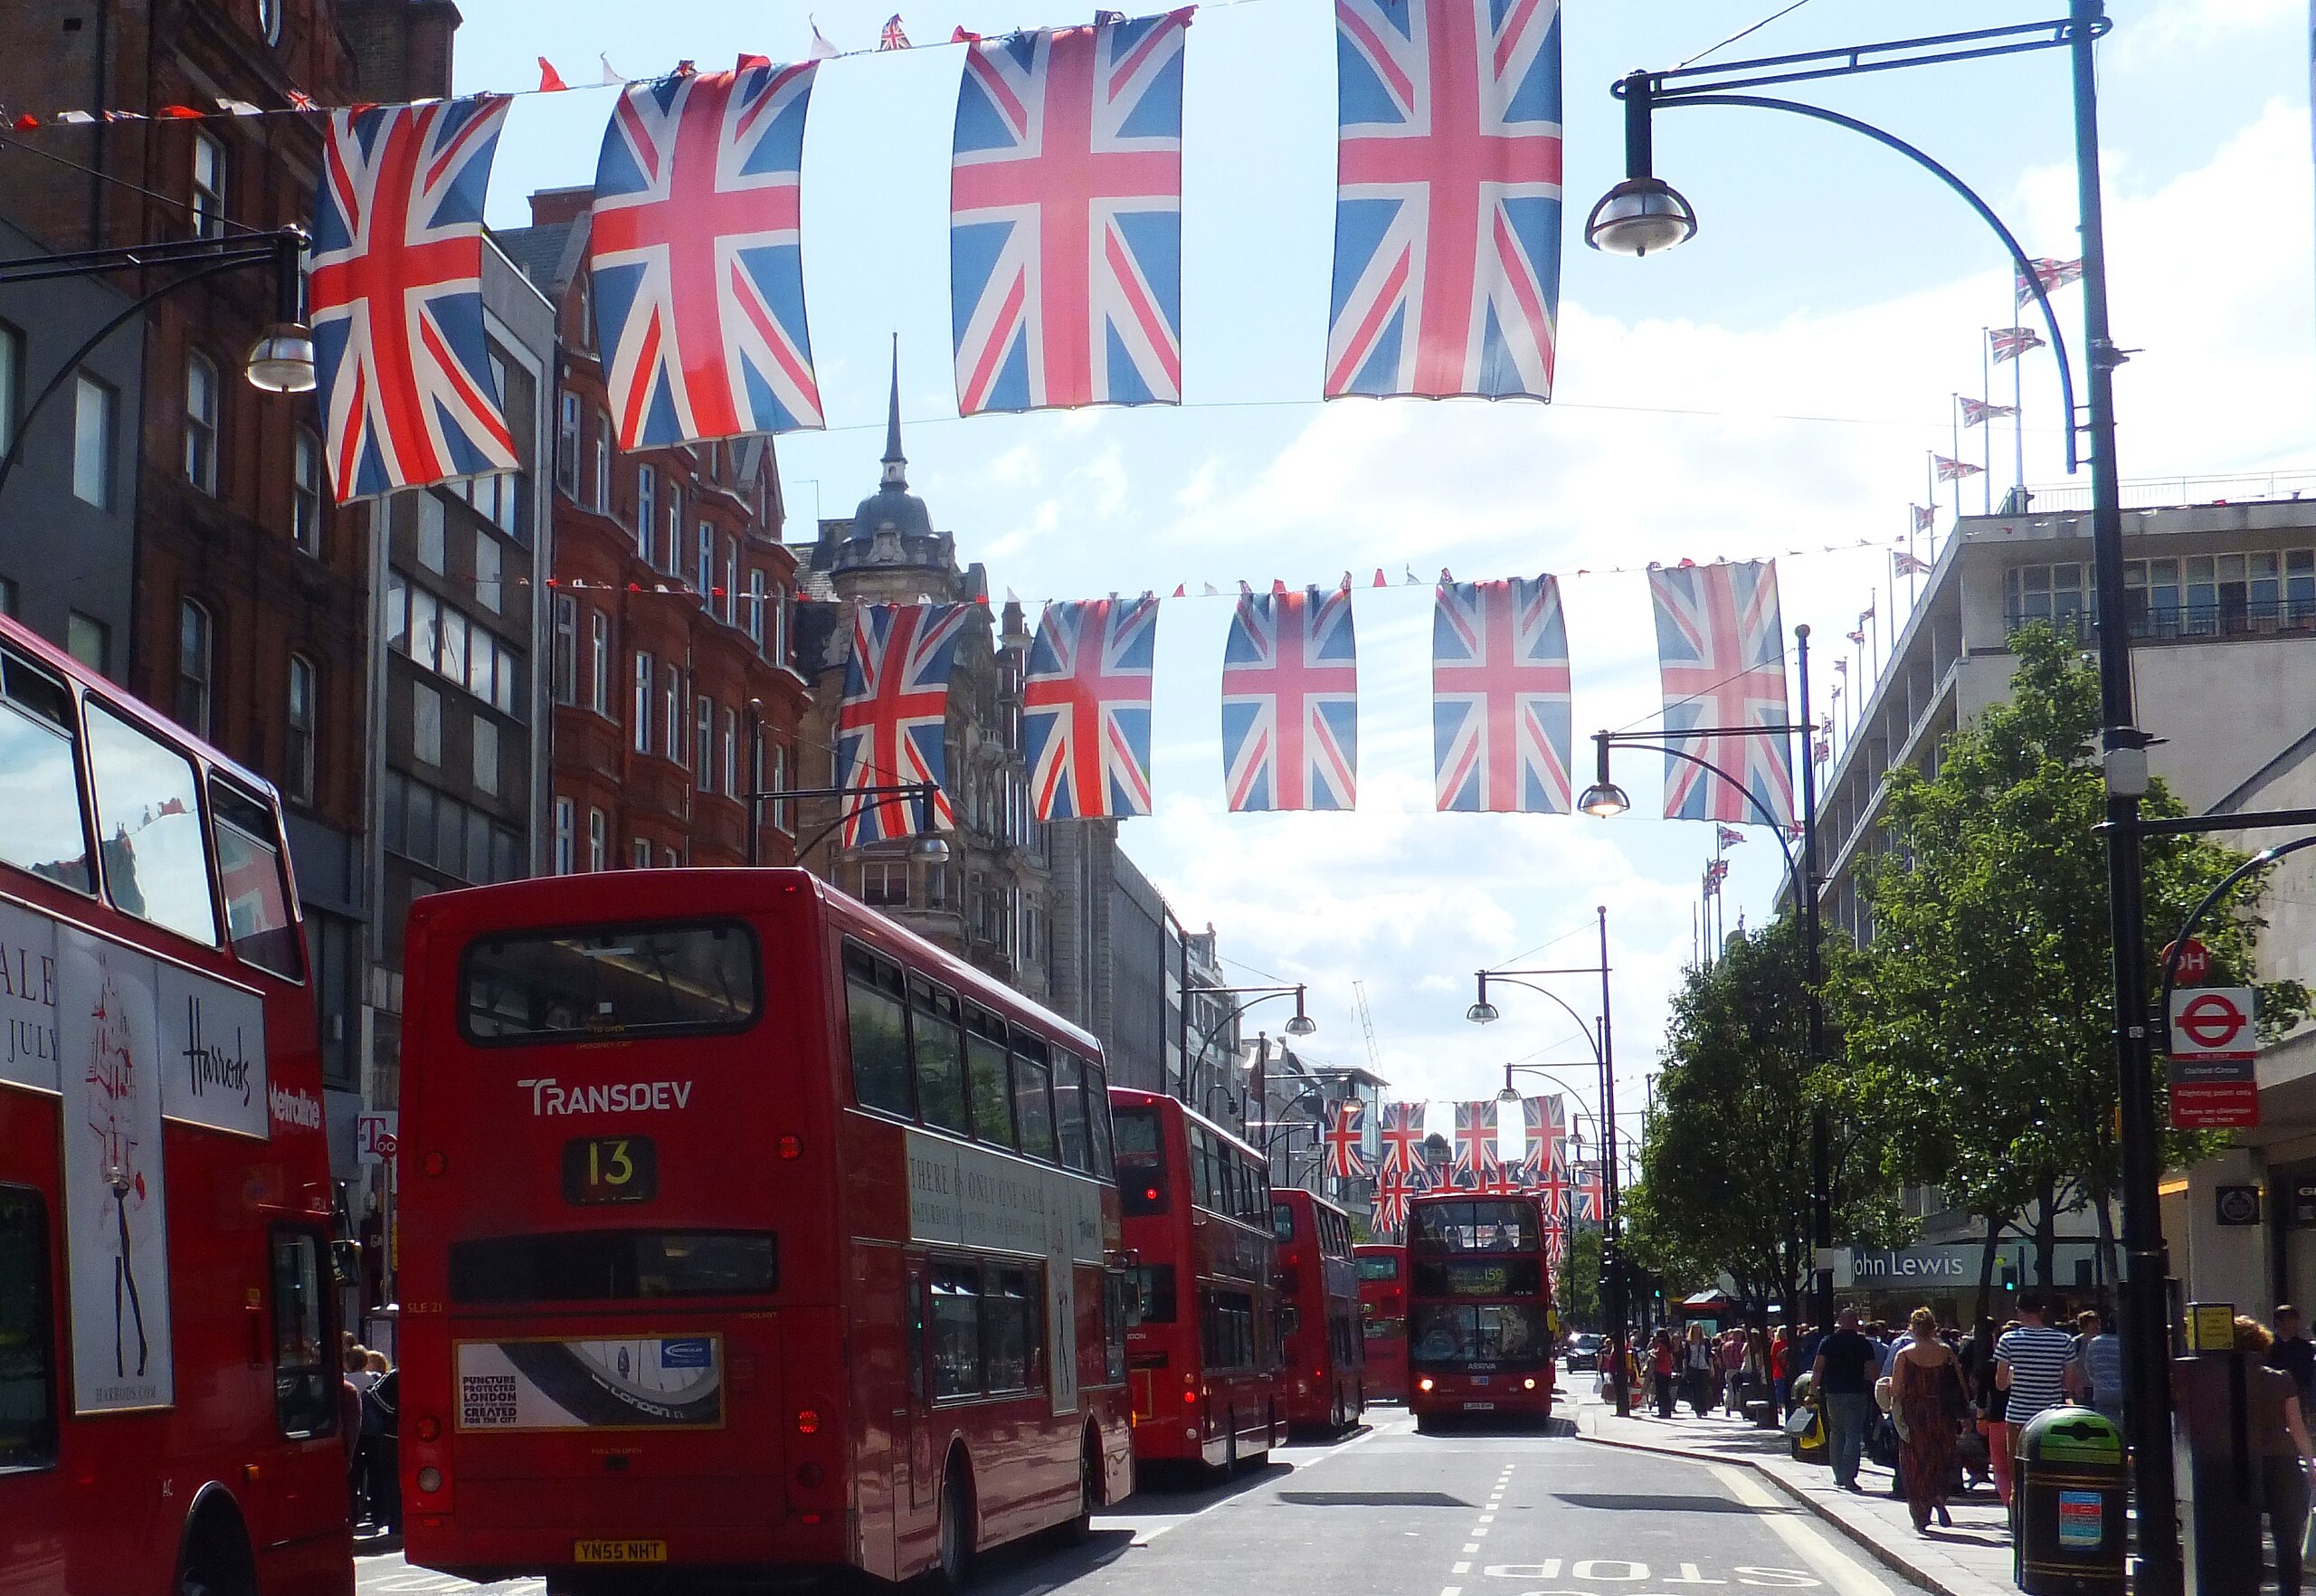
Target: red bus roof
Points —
{"points": [[1136, 1098], [1305, 1197], [549, 901]]}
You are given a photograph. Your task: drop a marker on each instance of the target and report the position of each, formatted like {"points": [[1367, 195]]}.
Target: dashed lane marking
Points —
{"points": [[1843, 1571]]}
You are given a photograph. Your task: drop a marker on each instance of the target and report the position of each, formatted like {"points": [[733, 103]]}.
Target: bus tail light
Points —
{"points": [[1190, 1394], [810, 1475], [790, 1147], [429, 1428], [430, 1480], [434, 1163], [807, 1421]]}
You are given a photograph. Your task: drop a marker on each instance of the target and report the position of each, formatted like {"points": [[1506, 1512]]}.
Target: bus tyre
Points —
{"points": [[1089, 1490], [956, 1543], [1336, 1423], [1231, 1444], [216, 1558]]}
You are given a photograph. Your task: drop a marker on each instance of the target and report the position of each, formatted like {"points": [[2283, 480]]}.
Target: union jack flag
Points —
{"points": [[1954, 470], [1393, 1187], [699, 279], [1402, 1134], [1925, 517], [1553, 1186], [1590, 1206], [1724, 836], [1546, 1124], [1065, 217], [1721, 657], [1447, 198], [1975, 411], [395, 296], [1498, 1180], [1907, 565], [1476, 1152], [1555, 1237], [1346, 1138], [2009, 343], [2053, 275], [1290, 702], [1086, 709], [891, 721], [1500, 719]]}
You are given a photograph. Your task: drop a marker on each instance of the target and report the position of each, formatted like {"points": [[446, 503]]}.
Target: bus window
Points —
{"points": [[1250, 1191], [40, 786], [1228, 1330], [940, 1056], [1032, 1107], [1378, 1265], [305, 1386], [148, 828], [1201, 1180], [1009, 1327], [992, 1102], [1097, 1118], [1152, 1286], [1069, 1114], [27, 1353], [872, 1003], [249, 871], [615, 1266], [609, 981], [1116, 1296], [956, 1330], [1282, 1220], [1137, 1131]]}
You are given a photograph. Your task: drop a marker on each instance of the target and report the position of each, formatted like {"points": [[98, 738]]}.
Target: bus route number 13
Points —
{"points": [[610, 1168]]}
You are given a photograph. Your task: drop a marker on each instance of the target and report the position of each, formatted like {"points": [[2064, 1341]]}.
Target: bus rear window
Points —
{"points": [[1380, 1266], [611, 981], [615, 1266], [1137, 1132]]}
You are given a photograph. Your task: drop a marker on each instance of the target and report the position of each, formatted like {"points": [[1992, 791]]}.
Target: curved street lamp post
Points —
{"points": [[1301, 1024]]}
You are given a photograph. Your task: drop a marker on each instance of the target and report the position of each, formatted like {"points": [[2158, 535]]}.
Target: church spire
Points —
{"points": [[895, 462]]}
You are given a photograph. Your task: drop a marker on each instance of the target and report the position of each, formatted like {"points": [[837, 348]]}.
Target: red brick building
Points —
{"points": [[672, 661]]}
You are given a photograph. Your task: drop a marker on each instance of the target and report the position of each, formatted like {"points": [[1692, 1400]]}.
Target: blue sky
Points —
{"points": [[1772, 386]]}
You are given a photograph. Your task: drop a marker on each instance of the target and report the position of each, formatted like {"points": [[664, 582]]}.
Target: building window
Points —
{"points": [[12, 384], [567, 445], [602, 462], [599, 663], [779, 816], [778, 652], [306, 494], [426, 724], [672, 711], [489, 585], [93, 410], [208, 186], [644, 678], [704, 567], [193, 673], [563, 669], [755, 608], [672, 560], [703, 743], [89, 640], [299, 752], [430, 533], [599, 856], [486, 755], [565, 844], [731, 754], [201, 422], [639, 854], [647, 511], [730, 606], [884, 884]]}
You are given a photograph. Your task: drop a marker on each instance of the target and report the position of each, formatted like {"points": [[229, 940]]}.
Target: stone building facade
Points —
{"points": [[672, 677]]}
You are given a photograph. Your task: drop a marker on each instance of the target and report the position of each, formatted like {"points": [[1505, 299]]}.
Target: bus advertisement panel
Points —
{"points": [[745, 1233], [170, 1382], [1383, 1318], [1325, 1382], [1480, 1324], [1206, 1349]]}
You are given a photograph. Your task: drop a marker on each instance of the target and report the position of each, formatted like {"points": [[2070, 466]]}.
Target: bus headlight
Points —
{"points": [[1530, 1384], [1424, 1384]]}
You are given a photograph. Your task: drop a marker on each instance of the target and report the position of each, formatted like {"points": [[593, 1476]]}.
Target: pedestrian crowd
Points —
{"points": [[369, 1403]]}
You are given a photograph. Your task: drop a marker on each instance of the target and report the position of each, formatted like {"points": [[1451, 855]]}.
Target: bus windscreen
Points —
{"points": [[1474, 1227], [1456, 1332], [610, 980]]}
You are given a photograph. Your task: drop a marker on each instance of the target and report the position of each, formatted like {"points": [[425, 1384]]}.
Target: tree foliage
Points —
{"points": [[1977, 1023], [1577, 1292]]}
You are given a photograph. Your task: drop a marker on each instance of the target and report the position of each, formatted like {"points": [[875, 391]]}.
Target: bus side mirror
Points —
{"points": [[344, 1262]]}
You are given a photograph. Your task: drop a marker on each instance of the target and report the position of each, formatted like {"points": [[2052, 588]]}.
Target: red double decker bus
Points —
{"points": [[1479, 1308], [1324, 1382], [169, 1379], [1205, 1351], [743, 1233], [1383, 1318]]}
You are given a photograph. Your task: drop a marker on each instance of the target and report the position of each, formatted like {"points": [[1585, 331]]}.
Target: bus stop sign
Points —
{"points": [[2210, 1024]]}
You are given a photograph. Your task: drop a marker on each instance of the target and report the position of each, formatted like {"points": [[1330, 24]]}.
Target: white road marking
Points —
{"points": [[1843, 1571], [1471, 1549], [1460, 1568], [1295, 1465], [1487, 1518]]}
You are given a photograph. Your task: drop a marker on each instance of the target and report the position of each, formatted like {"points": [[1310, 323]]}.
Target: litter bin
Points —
{"points": [[1804, 1427], [2071, 1521]]}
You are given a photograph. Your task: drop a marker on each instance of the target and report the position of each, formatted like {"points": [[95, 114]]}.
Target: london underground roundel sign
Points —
{"points": [[2213, 1022]]}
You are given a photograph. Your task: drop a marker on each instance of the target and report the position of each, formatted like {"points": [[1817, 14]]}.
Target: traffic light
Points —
{"points": [[2005, 1274]]}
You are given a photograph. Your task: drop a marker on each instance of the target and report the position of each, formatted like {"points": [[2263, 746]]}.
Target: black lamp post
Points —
{"points": [[282, 360], [1604, 798], [927, 847], [1613, 1306], [1301, 1024], [2124, 744]]}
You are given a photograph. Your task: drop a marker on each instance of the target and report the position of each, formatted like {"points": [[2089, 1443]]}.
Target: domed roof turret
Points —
{"points": [[892, 508]]}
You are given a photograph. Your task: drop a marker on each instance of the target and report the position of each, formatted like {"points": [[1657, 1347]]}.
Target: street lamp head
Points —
{"points": [[282, 361], [1482, 1014], [1302, 1025], [1640, 216], [1510, 1094], [929, 848], [1604, 800]]}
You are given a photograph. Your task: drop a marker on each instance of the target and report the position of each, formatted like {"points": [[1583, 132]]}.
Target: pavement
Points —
{"points": [[1386, 1511], [1972, 1559]]}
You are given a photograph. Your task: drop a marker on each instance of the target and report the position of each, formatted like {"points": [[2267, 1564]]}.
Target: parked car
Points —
{"points": [[1583, 1352]]}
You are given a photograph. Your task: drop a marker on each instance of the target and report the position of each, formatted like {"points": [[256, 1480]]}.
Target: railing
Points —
{"points": [[2157, 492], [2188, 623]]}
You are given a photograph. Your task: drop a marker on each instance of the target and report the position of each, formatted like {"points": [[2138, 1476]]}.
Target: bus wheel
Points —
{"points": [[216, 1558], [1336, 1423], [957, 1549], [1231, 1444], [1090, 1489]]}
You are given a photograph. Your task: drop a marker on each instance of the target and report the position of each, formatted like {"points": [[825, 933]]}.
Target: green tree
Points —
{"points": [[1977, 1022], [1577, 1292], [1725, 1165]]}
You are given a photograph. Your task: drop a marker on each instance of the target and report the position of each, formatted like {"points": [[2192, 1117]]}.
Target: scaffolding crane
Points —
{"points": [[1367, 1024]]}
